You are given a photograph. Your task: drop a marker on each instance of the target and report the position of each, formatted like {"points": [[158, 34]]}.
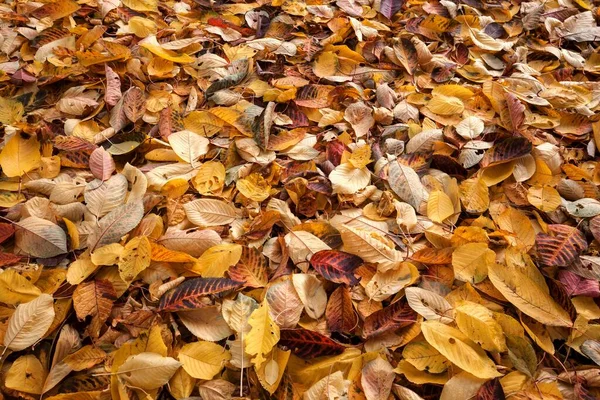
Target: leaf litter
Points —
{"points": [[299, 200]]}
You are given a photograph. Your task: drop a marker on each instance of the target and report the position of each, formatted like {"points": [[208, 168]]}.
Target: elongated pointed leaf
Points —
{"points": [[309, 344], [189, 294]]}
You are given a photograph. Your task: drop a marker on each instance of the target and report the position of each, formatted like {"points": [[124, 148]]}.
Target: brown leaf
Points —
{"points": [[340, 313], [391, 318], [94, 299]]}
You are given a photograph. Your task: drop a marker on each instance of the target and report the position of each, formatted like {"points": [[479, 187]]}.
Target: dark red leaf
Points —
{"points": [[391, 318], [336, 266], [340, 313], [189, 294], [309, 344]]}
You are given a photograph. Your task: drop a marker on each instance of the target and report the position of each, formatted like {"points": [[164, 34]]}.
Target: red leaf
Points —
{"points": [[561, 246], [336, 266], [309, 344], [8, 259], [391, 318], [6, 231], [190, 293]]}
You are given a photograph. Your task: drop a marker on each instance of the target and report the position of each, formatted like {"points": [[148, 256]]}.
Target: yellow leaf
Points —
{"points": [[514, 221], [254, 187], [80, 269], [20, 155], [270, 373], [474, 195], [203, 360], [16, 289], [361, 157], [263, 335], [439, 206], [470, 262], [9, 199], [348, 180], [152, 45], [181, 384], [141, 5], [147, 370], [446, 105], [142, 27], [107, 255], [497, 173], [26, 374], [425, 357], [11, 111], [418, 377], [85, 358], [217, 259], [544, 198], [135, 258], [528, 296], [459, 349], [478, 323], [210, 178]]}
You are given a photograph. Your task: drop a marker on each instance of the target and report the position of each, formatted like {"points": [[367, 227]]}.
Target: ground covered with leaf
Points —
{"points": [[361, 200]]}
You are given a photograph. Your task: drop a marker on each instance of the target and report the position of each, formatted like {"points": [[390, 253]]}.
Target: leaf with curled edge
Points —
{"points": [[238, 70], [190, 293], [309, 344], [336, 266], [561, 246], [390, 318]]}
